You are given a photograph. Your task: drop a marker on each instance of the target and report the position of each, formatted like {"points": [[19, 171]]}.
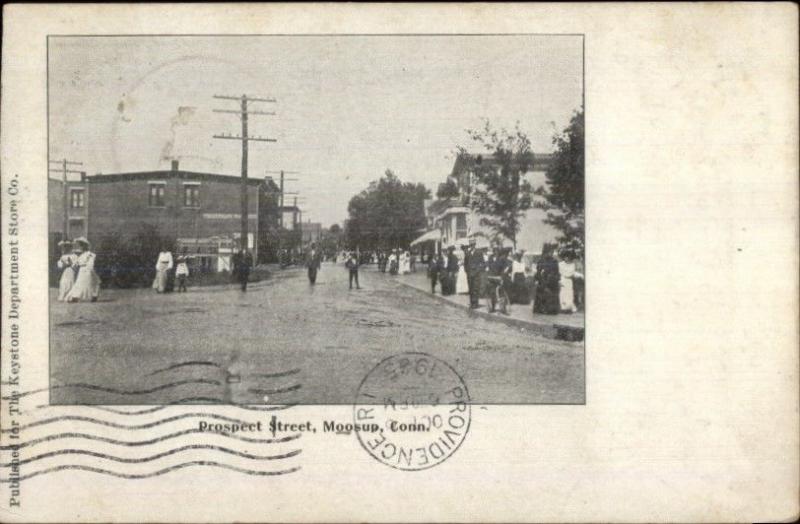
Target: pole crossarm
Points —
{"points": [[68, 162], [238, 112], [67, 171], [248, 139], [245, 97]]}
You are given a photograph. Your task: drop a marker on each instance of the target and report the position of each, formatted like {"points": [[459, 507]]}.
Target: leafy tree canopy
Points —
{"points": [[563, 192], [387, 214], [498, 190]]}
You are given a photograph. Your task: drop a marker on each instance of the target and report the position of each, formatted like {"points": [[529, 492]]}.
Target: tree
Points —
{"points": [[129, 261], [388, 214], [330, 240], [563, 193], [448, 189], [499, 192]]}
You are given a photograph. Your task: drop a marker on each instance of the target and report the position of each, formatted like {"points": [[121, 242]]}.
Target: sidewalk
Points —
{"points": [[561, 327]]}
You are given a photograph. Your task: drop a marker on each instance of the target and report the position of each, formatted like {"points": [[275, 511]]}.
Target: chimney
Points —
{"points": [[83, 176], [175, 165]]}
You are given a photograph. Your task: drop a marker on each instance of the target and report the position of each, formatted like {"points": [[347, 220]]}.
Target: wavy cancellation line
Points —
{"points": [[185, 364], [94, 387], [164, 471], [191, 447], [199, 401], [275, 391], [208, 363], [276, 375], [50, 438], [78, 418]]}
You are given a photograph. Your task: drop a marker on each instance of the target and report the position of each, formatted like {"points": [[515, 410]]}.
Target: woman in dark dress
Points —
{"points": [[546, 299]]}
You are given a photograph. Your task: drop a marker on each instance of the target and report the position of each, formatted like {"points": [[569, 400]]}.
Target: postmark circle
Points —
{"points": [[412, 411]]}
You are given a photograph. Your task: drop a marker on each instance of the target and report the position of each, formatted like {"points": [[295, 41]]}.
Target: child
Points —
{"points": [[352, 265], [182, 273]]}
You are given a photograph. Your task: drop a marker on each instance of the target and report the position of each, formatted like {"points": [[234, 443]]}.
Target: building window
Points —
{"points": [[76, 198], [461, 226], [191, 196], [156, 195]]}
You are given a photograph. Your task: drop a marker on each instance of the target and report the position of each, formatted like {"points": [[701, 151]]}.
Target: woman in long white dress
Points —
{"points": [[405, 263], [87, 283], [67, 266], [163, 265], [462, 284], [567, 271]]}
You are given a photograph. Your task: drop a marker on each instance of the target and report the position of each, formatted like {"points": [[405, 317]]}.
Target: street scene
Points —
{"points": [[262, 220], [286, 342]]}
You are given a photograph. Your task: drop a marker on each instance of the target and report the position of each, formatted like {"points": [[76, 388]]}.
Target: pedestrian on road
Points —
{"points": [[352, 265], [67, 266], [435, 267], [394, 262], [449, 285], [499, 279], [87, 283], [382, 262], [163, 265], [547, 283], [567, 272], [313, 262], [461, 286], [182, 272], [475, 265], [245, 263], [519, 288]]}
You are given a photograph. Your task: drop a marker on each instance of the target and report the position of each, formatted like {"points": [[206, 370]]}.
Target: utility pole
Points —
{"points": [[244, 112], [64, 171], [282, 192]]}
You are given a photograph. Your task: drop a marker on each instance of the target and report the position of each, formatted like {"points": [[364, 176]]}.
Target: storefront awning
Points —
{"points": [[434, 235]]}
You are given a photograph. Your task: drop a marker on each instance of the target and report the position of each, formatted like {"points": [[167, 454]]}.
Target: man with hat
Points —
{"points": [[451, 269], [313, 262], [475, 266]]}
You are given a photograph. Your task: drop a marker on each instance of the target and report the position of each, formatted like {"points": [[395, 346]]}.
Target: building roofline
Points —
{"points": [[539, 160], [169, 174]]}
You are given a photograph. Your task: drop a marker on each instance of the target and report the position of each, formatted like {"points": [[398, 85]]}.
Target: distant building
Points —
{"points": [[290, 217], [312, 232], [200, 211], [452, 221]]}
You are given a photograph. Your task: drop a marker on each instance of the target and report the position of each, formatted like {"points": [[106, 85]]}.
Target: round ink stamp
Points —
{"points": [[412, 411]]}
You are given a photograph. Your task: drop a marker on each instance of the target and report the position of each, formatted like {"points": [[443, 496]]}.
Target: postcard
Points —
{"points": [[399, 263]]}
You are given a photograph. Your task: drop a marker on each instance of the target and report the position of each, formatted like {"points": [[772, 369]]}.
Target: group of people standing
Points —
{"points": [[500, 277], [558, 283], [164, 264], [397, 262], [78, 281], [491, 275]]}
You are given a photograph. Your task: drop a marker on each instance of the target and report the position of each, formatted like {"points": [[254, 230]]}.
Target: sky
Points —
{"points": [[347, 107]]}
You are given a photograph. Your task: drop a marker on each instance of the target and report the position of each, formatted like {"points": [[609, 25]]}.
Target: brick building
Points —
{"points": [[200, 212]]}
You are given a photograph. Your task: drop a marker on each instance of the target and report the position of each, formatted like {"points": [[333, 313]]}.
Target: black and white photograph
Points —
{"points": [[386, 262], [262, 219]]}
